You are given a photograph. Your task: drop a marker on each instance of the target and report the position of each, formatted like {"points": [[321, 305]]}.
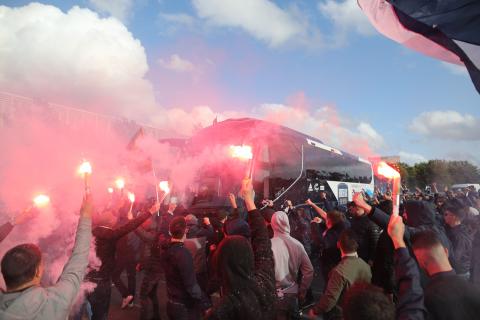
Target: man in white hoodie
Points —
{"points": [[290, 258]]}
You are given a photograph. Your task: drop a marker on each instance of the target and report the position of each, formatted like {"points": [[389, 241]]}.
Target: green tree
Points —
{"points": [[442, 172]]}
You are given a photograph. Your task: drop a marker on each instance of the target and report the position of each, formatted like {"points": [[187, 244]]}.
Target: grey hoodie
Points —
{"points": [[54, 302], [289, 256]]}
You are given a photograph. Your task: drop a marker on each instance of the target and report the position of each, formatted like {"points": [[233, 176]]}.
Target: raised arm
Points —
{"points": [[319, 210], [135, 223], [376, 214], [410, 294], [206, 230], [68, 285], [7, 227], [262, 248], [5, 230]]}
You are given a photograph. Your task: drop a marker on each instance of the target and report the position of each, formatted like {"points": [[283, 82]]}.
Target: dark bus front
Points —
{"points": [[286, 165]]}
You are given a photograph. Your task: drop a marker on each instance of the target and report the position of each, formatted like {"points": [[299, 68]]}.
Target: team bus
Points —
{"points": [[283, 164]]}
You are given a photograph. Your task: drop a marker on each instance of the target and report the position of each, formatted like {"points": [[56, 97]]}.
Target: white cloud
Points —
{"points": [[366, 130], [119, 9], [447, 125], [263, 19], [455, 68], [74, 58], [198, 117], [327, 125], [176, 63], [323, 123], [411, 158], [346, 16]]}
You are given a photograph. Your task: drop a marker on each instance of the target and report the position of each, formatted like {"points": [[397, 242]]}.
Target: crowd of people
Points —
{"points": [[259, 263]]}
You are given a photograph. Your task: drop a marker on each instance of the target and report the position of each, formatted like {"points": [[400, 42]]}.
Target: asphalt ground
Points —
{"points": [[116, 313]]}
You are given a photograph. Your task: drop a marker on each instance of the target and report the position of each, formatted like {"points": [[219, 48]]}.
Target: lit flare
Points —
{"points": [[242, 152], [164, 186], [387, 171], [41, 200], [85, 168], [383, 169], [120, 183], [131, 197]]}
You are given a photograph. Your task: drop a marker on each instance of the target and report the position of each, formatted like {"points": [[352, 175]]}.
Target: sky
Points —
{"points": [[316, 66]]}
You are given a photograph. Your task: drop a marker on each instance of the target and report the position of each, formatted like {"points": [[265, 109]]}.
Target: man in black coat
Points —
{"points": [[447, 296], [461, 239], [185, 298], [105, 243], [366, 232], [419, 215]]}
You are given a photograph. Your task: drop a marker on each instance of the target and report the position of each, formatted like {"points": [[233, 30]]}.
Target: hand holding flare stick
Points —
{"points": [[383, 169], [243, 153], [131, 197]]}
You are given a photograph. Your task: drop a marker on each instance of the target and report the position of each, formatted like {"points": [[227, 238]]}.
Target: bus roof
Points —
{"points": [[242, 130]]}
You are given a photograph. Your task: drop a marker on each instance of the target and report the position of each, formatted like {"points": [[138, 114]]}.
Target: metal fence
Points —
{"points": [[14, 106]]}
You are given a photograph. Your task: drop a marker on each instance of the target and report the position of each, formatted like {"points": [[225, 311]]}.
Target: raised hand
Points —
{"points": [[396, 231]]}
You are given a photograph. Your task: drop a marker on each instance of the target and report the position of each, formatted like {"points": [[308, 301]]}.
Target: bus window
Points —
{"points": [[285, 165], [324, 165], [261, 174], [358, 171]]}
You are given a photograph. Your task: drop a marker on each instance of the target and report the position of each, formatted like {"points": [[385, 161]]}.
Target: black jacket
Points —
{"points": [[461, 240], [182, 286], [247, 274], [199, 231], [383, 264], [410, 305], [420, 217], [367, 233], [300, 229], [449, 297], [326, 240], [106, 242]]}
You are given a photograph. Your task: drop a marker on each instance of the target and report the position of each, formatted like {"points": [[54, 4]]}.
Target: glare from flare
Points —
{"points": [[163, 185], [41, 200], [242, 152], [131, 197], [120, 183], [387, 171], [85, 168]]}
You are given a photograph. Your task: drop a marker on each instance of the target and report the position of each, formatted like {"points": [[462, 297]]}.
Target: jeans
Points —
{"points": [[99, 300], [148, 294], [287, 307], [129, 267]]}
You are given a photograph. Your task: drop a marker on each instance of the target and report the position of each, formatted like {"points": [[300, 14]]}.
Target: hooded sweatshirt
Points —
{"points": [[289, 256], [247, 274], [53, 302]]}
